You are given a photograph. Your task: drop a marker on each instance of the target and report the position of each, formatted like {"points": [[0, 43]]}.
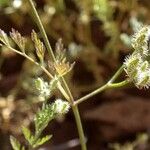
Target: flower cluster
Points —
{"points": [[137, 65], [42, 87], [61, 66], [61, 107]]}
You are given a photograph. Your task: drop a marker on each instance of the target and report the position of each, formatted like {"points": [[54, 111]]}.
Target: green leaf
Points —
{"points": [[28, 135], [42, 140], [43, 117], [15, 144]]}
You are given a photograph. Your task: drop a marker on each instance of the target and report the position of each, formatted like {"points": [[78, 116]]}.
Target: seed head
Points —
{"points": [[61, 107]]}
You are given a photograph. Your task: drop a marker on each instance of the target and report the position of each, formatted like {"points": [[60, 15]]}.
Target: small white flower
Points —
{"points": [[42, 87], [137, 65], [143, 79], [143, 76], [131, 63], [132, 60], [61, 107], [140, 41]]}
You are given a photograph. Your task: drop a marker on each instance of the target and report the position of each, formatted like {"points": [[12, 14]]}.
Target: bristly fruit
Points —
{"points": [[137, 65]]}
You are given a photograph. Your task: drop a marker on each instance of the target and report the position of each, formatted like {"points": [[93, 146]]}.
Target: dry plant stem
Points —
{"points": [[109, 84], [71, 100]]}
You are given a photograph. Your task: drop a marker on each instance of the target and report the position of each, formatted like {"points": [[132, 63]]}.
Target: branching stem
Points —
{"points": [[109, 85], [65, 90], [43, 68], [68, 92]]}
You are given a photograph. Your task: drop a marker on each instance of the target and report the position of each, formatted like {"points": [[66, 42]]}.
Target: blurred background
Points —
{"points": [[97, 36]]}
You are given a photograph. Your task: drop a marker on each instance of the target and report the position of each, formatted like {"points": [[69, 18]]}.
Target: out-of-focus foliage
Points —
{"points": [[4, 2], [140, 141], [15, 144]]}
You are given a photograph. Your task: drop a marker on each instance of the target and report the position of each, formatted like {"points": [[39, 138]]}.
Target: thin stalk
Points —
{"points": [[43, 68], [68, 91], [77, 118], [104, 87], [115, 76], [37, 135], [118, 85], [101, 89], [46, 41], [32, 60], [74, 108], [84, 98], [42, 30], [79, 126], [63, 91]]}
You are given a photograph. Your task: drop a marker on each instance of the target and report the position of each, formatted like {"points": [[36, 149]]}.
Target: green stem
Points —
{"points": [[118, 85], [84, 98], [79, 126], [74, 108], [77, 117], [68, 90], [42, 30], [46, 41], [37, 135], [115, 76], [43, 68], [104, 87], [101, 89], [31, 60]]}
